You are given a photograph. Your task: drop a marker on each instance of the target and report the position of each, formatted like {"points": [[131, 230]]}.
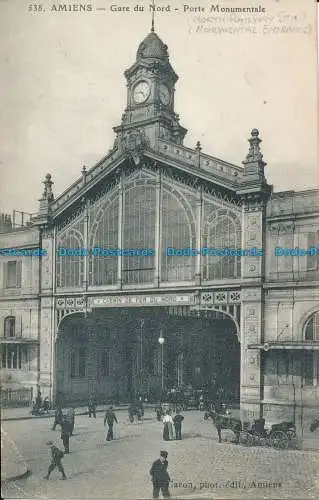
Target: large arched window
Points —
{"points": [[221, 230], [310, 362], [139, 234], [70, 265], [312, 327], [178, 232], [104, 235], [9, 326]]}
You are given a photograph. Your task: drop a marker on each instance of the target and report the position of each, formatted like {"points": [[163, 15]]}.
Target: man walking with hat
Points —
{"points": [[160, 476], [56, 460]]}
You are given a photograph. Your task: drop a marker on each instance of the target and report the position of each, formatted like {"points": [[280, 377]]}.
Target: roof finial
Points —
{"points": [[153, 13]]}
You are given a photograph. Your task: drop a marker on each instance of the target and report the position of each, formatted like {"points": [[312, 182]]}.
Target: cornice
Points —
{"points": [[290, 284]]}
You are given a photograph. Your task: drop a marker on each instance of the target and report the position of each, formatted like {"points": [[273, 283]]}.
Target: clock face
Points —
{"points": [[164, 94], [141, 92]]}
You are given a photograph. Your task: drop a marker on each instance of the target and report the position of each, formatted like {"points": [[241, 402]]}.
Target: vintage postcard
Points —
{"points": [[159, 249]]}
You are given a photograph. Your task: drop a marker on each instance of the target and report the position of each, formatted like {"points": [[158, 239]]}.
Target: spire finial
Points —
{"points": [[47, 193], [153, 13]]}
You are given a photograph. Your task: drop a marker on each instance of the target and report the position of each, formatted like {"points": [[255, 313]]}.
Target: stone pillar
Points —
{"points": [[46, 347], [199, 222], [46, 315], [158, 246], [86, 245], [251, 333], [255, 192], [252, 308], [120, 229]]}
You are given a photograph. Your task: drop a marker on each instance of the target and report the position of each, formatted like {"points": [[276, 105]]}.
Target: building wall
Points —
{"points": [[21, 302]]}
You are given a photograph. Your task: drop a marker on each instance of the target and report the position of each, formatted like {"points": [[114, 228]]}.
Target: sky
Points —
{"points": [[63, 87]]}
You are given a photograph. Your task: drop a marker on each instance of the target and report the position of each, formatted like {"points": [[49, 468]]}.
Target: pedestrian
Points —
{"points": [[38, 400], [168, 427], [92, 404], [46, 405], [110, 418], [132, 411], [160, 476], [65, 435], [58, 417], [70, 418], [159, 413], [56, 460], [178, 419]]}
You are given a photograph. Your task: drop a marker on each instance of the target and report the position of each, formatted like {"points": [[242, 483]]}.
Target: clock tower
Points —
{"points": [[150, 95]]}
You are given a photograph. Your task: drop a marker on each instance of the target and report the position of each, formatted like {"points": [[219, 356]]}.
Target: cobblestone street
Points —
{"points": [[199, 466]]}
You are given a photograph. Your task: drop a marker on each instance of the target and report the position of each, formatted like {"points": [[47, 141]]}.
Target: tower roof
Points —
{"points": [[152, 47]]}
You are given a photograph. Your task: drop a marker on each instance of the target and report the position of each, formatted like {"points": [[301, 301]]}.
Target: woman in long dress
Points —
{"points": [[168, 427]]}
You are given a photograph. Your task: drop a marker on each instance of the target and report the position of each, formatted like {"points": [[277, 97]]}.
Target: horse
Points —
{"points": [[314, 425], [225, 422]]}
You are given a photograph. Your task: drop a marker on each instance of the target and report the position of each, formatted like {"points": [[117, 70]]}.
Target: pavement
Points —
{"points": [[199, 466], [14, 466], [24, 413]]}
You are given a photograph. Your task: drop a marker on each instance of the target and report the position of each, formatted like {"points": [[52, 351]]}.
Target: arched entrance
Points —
{"points": [[209, 345], [115, 353]]}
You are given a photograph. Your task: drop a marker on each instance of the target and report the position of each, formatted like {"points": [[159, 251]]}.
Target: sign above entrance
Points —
{"points": [[142, 300]]}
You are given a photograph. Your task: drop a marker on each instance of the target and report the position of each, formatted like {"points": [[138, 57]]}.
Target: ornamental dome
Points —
{"points": [[152, 47]]}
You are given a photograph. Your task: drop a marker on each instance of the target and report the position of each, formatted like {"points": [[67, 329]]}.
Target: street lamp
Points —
{"points": [[161, 341], [141, 388]]}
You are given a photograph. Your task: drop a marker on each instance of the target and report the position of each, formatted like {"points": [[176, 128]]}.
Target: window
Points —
{"points": [[139, 233], [14, 357], [310, 361], [9, 326], [70, 267], [105, 365], [312, 327], [222, 230], [13, 274], [104, 234], [78, 363], [313, 260], [310, 367], [82, 362], [178, 231]]}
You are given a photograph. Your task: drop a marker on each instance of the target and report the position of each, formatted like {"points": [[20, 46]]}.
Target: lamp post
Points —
{"points": [[161, 341], [141, 356]]}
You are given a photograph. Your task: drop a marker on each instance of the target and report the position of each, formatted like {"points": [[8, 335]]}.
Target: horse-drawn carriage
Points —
{"points": [[280, 436]]}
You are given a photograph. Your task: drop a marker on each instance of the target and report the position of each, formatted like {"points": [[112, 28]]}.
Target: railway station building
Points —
{"points": [[163, 267]]}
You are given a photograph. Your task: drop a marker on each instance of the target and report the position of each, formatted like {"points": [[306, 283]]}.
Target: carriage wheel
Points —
{"points": [[246, 439], [292, 436], [291, 433], [279, 440]]}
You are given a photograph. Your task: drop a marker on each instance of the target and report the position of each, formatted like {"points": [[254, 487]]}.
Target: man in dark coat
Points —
{"points": [[56, 460], [178, 419], [70, 418], [160, 476], [110, 418], [65, 434], [58, 417]]}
